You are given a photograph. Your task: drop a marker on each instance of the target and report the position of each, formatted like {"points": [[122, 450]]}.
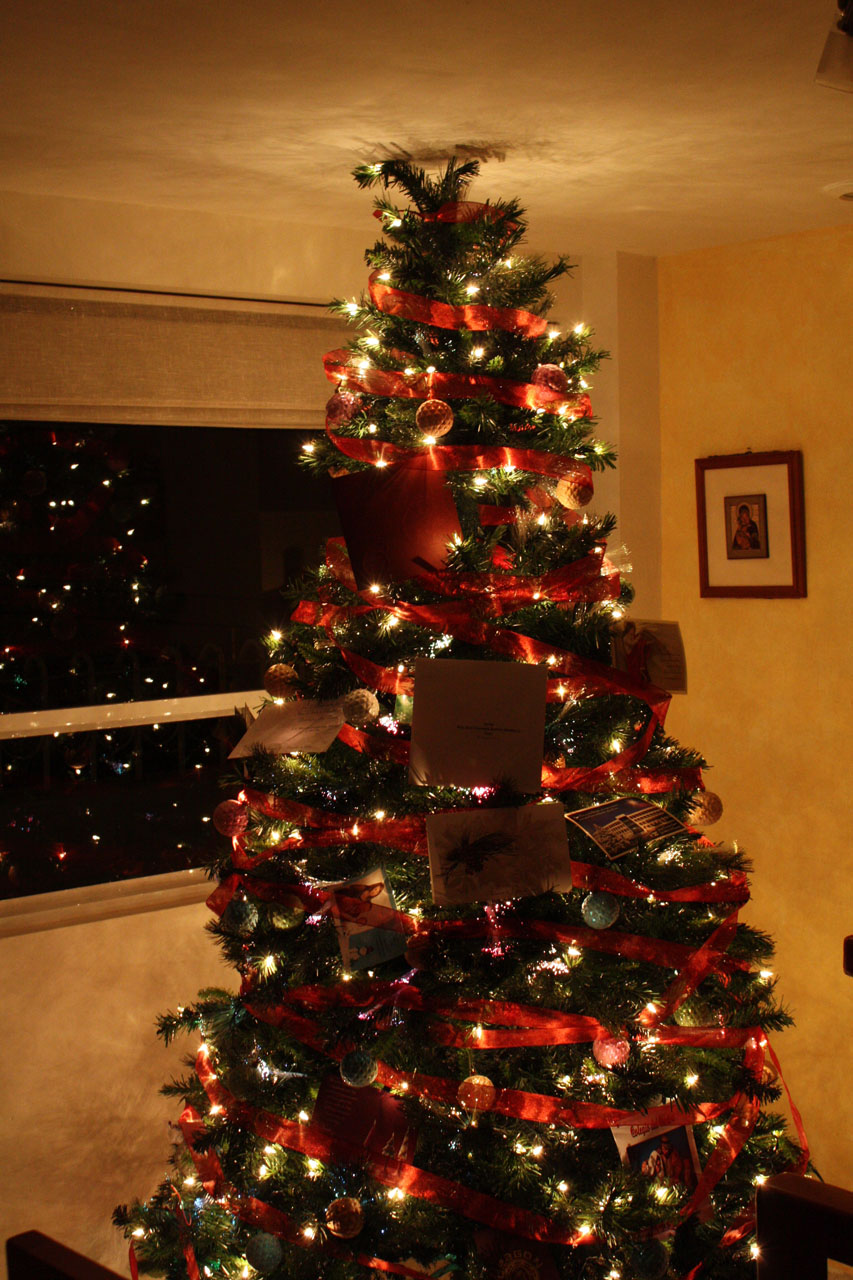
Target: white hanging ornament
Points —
{"points": [[573, 491], [360, 707]]}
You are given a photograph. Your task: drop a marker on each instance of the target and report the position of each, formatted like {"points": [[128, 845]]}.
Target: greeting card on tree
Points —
{"points": [[292, 726], [514, 1258], [477, 723], [666, 1155], [651, 651], [396, 522], [365, 919], [619, 825], [491, 855], [368, 1117]]}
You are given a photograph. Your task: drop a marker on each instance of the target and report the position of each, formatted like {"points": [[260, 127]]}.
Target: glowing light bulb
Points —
{"points": [[480, 482], [352, 308], [429, 440], [308, 448], [303, 1117], [477, 353], [553, 333], [380, 462], [309, 1232], [384, 275], [578, 329], [275, 636], [691, 1080], [471, 289]]}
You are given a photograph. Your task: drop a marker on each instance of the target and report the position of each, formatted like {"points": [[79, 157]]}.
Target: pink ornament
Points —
{"points": [[611, 1052], [230, 818], [342, 408], [551, 377]]}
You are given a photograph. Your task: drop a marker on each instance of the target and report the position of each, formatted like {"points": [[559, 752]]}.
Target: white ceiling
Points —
{"points": [[651, 128]]}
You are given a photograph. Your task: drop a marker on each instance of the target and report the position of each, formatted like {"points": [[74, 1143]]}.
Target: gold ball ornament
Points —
{"points": [[345, 1217], [573, 492], [476, 1093], [360, 707], [281, 680], [706, 809], [434, 418]]}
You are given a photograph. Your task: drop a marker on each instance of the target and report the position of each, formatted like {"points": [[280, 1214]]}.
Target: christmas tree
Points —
{"points": [[497, 1015]]}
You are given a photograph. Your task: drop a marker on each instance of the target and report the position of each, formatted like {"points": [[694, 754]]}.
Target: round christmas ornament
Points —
{"points": [[573, 492], [230, 818], [769, 1074], [600, 910], [345, 1217], [280, 680], [358, 1068], [477, 1093], [694, 1012], [360, 707], [33, 483], [611, 1052], [264, 1252], [240, 916], [550, 376], [706, 809], [342, 408], [434, 418], [419, 949], [288, 913]]}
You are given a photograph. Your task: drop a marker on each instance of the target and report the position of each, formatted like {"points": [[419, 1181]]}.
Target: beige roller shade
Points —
{"points": [[87, 355]]}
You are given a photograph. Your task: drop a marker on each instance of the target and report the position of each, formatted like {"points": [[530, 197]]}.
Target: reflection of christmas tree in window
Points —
{"points": [[83, 597], [525, 1039]]}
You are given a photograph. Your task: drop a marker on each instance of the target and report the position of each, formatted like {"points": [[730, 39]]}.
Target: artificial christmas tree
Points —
{"points": [[470, 1036]]}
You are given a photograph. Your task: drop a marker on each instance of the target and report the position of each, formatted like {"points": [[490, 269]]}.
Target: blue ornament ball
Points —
{"points": [[264, 1252], [649, 1260], [600, 910], [358, 1068]]}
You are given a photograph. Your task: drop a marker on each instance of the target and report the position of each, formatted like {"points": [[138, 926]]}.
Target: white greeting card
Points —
{"points": [[477, 723], [301, 725], [492, 855]]}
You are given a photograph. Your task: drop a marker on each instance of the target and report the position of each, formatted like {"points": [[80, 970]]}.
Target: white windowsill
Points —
{"points": [[103, 902]]}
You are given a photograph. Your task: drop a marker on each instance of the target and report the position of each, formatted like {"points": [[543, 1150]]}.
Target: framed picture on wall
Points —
{"points": [[750, 517]]}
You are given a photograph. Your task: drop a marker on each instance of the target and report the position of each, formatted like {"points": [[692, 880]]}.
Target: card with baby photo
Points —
{"points": [[652, 652], [363, 911], [491, 855], [665, 1155]]}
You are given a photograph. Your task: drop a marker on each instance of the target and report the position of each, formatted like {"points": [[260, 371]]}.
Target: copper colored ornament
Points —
{"points": [[477, 1093], [360, 707], [280, 680], [552, 377], [345, 1217], [342, 408], [230, 818], [769, 1074], [611, 1051], [419, 949], [434, 418], [335, 473], [706, 809], [573, 491]]}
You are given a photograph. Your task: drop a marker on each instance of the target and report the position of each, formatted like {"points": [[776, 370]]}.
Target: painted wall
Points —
{"points": [[82, 1124], [754, 353]]}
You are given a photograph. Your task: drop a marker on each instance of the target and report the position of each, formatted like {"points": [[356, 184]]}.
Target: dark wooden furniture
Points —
{"points": [[33, 1256], [800, 1224]]}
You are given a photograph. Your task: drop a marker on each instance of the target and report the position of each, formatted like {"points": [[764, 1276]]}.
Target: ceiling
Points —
{"points": [[651, 128]]}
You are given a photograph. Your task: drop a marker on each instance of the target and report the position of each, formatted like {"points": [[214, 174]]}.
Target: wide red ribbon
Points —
{"points": [[444, 315], [459, 457], [313, 1141]]}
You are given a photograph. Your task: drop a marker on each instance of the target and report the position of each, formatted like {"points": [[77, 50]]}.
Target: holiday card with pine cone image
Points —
{"points": [[475, 724], [492, 855]]}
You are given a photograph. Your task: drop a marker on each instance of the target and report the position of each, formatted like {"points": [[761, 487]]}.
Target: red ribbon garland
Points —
{"points": [[459, 457], [413, 306], [258, 1214], [313, 1141]]}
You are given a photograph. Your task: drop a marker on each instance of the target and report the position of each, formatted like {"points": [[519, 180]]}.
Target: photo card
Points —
{"points": [[369, 1117], [397, 521], [367, 934], [666, 1155], [300, 725], [475, 724], [619, 825], [651, 652], [492, 855]]}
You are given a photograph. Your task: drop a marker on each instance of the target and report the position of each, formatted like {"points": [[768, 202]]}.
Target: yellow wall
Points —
{"points": [[755, 353]]}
